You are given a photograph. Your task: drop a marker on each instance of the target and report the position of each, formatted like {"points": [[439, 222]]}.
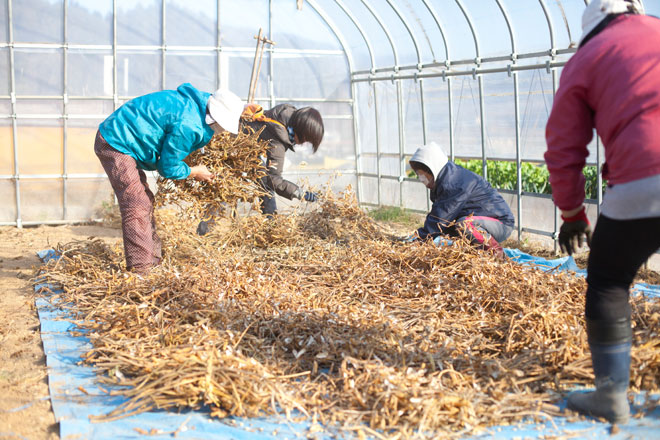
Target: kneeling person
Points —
{"points": [[464, 203]]}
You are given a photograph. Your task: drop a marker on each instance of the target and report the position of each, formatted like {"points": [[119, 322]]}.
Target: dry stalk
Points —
{"points": [[322, 314]]}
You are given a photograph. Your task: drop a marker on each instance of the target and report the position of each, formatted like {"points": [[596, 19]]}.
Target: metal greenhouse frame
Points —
{"points": [[363, 20]]}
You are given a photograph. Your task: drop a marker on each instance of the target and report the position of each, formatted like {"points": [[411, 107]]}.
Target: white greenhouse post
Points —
{"points": [[482, 116], [424, 133], [65, 112], [402, 157], [354, 103], [271, 53], [451, 119], [555, 232], [218, 48], [14, 127], [516, 101], [115, 97], [395, 54], [378, 170], [163, 32], [356, 142]]}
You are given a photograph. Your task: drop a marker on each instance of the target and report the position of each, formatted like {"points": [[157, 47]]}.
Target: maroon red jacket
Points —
{"points": [[612, 83]]}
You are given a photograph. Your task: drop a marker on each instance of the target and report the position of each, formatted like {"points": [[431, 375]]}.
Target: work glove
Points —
{"points": [[442, 241], [410, 238], [310, 196], [574, 231]]}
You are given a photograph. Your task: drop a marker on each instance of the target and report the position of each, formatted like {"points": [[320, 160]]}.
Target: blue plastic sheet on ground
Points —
{"points": [[76, 397]]}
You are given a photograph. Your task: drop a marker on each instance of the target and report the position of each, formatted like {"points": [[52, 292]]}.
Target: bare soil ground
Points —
{"points": [[25, 410]]}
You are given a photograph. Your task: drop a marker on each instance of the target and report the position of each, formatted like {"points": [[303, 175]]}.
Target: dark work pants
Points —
{"points": [[269, 204], [618, 250]]}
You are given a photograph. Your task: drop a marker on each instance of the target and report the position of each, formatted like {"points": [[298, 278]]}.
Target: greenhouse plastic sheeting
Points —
{"points": [[76, 397]]}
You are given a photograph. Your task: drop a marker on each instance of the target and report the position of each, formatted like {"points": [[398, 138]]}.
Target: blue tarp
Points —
{"points": [[76, 397]]}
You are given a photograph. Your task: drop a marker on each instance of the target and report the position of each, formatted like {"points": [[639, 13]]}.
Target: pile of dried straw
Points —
{"points": [[323, 316]]}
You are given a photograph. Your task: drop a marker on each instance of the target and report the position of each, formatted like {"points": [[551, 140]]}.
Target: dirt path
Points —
{"points": [[25, 410]]}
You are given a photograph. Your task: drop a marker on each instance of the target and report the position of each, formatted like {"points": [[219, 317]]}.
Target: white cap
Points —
{"points": [[225, 108], [597, 10]]}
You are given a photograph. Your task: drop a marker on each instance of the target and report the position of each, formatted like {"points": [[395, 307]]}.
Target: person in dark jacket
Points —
{"points": [[156, 132], [464, 204], [284, 126]]}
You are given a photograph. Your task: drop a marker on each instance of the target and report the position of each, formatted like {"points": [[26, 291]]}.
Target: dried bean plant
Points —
{"points": [[235, 160], [321, 316]]}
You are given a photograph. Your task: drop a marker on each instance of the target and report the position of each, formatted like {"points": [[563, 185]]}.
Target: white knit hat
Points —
{"points": [[225, 108], [597, 10]]}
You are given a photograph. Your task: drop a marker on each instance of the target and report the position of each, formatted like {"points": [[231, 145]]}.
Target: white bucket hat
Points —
{"points": [[597, 10], [225, 108]]}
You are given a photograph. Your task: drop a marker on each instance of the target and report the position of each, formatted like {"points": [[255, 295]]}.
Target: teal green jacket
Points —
{"points": [[160, 129]]}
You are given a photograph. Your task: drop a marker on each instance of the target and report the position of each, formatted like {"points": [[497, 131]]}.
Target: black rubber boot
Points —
{"points": [[611, 363]]}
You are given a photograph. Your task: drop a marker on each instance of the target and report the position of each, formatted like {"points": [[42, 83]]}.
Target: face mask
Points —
{"points": [[424, 179], [292, 135]]}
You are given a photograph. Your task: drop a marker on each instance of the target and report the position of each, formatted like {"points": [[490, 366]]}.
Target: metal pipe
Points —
{"points": [[424, 132], [52, 222], [405, 24], [550, 26], [516, 103], [163, 36], [509, 27], [474, 71], [50, 176], [555, 231], [271, 54], [115, 100], [378, 152], [482, 116], [351, 17], [437, 23], [218, 47], [65, 111], [474, 34], [449, 63], [387, 33], [14, 127], [451, 120], [356, 142], [402, 140]]}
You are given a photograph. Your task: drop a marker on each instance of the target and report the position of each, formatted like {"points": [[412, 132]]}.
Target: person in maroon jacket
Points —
{"points": [[612, 84]]}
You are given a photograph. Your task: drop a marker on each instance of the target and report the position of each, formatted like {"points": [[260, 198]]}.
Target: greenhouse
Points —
{"points": [[476, 77]]}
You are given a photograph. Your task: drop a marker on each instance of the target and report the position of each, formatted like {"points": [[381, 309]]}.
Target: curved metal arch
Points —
{"points": [[387, 32], [437, 22], [508, 25], [550, 26], [405, 23], [351, 17], [469, 20], [333, 27]]}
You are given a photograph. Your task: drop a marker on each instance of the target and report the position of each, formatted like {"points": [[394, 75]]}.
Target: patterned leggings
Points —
{"points": [[142, 247]]}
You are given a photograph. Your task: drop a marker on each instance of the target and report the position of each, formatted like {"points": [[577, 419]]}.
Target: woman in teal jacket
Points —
{"points": [[157, 132]]}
